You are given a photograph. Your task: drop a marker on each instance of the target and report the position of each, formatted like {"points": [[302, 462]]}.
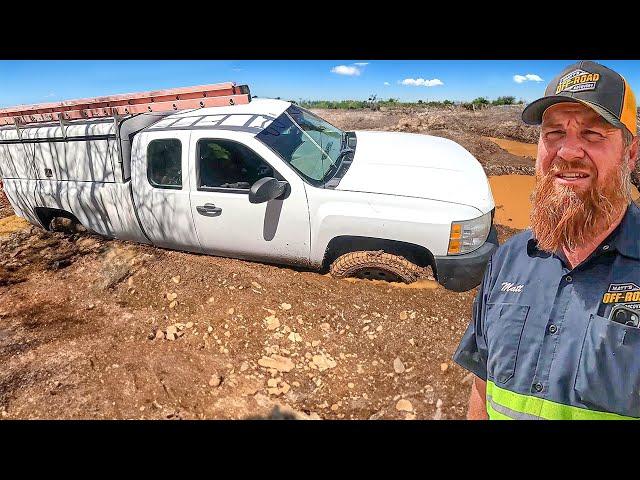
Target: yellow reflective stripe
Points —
{"points": [[526, 406]]}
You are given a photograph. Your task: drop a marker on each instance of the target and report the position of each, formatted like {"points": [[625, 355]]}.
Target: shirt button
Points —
{"points": [[553, 328], [538, 387], [568, 278], [606, 247]]}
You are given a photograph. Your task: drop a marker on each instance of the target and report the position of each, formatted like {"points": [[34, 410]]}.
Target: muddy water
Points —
{"points": [[511, 194], [516, 148]]}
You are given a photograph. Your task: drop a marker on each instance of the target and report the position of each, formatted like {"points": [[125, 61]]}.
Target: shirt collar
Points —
{"points": [[625, 238]]}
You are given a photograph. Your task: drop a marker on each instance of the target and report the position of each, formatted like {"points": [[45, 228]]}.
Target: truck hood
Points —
{"points": [[421, 166]]}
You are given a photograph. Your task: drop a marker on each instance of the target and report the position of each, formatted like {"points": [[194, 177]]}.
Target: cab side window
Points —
{"points": [[164, 163], [225, 164]]}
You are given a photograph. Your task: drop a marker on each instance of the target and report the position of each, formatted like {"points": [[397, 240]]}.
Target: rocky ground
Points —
{"points": [[96, 328]]}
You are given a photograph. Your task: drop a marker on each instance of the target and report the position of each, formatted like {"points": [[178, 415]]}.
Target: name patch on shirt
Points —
{"points": [[621, 293], [510, 287]]}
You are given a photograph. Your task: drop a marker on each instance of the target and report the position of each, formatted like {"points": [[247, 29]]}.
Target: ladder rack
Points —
{"points": [[215, 95]]}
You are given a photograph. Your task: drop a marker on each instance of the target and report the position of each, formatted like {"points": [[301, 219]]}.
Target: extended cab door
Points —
{"points": [[161, 188], [224, 166]]}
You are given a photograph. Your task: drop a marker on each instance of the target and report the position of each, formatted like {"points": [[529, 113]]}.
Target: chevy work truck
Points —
{"points": [[210, 170]]}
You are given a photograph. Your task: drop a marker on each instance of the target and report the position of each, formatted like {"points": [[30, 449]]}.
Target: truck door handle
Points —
{"points": [[209, 210]]}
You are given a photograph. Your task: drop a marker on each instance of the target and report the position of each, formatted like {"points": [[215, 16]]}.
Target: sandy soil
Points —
{"points": [[96, 328]]}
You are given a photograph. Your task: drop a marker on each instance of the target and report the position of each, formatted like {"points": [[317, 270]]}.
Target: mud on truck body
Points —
{"points": [[209, 170]]}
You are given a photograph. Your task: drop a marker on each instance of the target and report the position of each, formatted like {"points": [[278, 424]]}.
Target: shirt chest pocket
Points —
{"points": [[608, 375], [504, 326]]}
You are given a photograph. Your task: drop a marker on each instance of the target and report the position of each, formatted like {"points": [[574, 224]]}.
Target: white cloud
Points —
{"points": [[421, 82], [352, 70], [386, 84], [529, 77], [346, 70]]}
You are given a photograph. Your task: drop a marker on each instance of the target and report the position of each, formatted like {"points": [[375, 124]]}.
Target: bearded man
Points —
{"points": [[555, 329]]}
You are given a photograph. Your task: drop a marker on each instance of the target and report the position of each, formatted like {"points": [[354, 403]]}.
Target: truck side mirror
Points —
{"points": [[266, 189]]}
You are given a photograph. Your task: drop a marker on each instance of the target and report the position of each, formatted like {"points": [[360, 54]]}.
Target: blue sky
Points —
{"points": [[24, 82]]}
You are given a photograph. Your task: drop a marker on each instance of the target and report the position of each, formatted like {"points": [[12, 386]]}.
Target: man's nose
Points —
{"points": [[571, 148]]}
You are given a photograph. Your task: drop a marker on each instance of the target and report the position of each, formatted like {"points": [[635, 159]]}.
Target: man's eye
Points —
{"points": [[593, 135], [554, 133]]}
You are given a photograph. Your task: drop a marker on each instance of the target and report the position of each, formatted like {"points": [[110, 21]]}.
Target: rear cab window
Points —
{"points": [[164, 163]]}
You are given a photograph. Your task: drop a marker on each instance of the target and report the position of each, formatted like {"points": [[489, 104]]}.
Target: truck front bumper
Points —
{"points": [[464, 272]]}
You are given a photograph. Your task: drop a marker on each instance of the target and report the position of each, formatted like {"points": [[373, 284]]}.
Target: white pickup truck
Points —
{"points": [[263, 180]]}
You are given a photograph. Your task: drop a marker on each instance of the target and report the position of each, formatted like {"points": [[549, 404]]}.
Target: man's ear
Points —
{"points": [[633, 152]]}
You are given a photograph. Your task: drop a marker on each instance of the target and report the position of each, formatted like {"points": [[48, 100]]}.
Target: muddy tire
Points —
{"points": [[376, 265]]}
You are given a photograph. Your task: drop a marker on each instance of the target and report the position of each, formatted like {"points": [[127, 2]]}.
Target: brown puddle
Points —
{"points": [[516, 148], [12, 224]]}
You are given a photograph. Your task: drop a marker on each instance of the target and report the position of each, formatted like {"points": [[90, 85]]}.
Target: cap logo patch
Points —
{"points": [[578, 81]]}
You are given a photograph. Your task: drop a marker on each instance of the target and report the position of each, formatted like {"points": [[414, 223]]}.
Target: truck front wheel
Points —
{"points": [[376, 265]]}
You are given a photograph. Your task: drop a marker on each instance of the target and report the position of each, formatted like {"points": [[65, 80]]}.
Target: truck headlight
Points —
{"points": [[469, 235]]}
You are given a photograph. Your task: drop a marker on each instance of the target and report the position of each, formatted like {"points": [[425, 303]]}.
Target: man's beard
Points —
{"points": [[563, 217]]}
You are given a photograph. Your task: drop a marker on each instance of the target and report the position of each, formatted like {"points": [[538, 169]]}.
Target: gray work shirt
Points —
{"points": [[541, 332]]}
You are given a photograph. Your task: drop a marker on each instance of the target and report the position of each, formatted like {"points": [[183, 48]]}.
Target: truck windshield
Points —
{"points": [[308, 143]]}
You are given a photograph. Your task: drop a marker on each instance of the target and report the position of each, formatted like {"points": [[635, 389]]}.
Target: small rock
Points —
{"points": [[285, 306], [315, 343], [272, 322], [159, 335], [171, 336], [468, 379], [273, 382], [211, 300], [215, 380], [256, 285], [209, 329], [323, 362], [350, 385], [231, 311], [172, 296], [444, 367], [295, 337], [176, 279], [403, 315], [412, 341], [325, 326], [173, 304], [404, 406], [189, 325], [244, 366], [398, 366], [334, 407], [172, 329], [277, 362]]}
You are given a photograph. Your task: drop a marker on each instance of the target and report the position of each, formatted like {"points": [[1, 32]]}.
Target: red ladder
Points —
{"points": [[216, 95]]}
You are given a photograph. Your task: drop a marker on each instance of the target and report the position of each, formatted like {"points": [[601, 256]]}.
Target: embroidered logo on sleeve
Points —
{"points": [[578, 81]]}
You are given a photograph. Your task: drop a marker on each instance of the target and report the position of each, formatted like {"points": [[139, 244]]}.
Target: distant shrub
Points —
{"points": [[504, 101]]}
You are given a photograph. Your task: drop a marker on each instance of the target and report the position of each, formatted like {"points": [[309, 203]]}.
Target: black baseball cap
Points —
{"points": [[593, 85]]}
